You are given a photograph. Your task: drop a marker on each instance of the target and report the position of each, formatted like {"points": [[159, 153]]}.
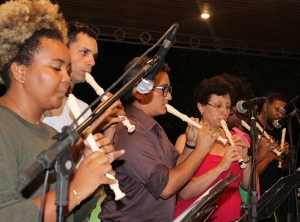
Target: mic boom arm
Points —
{"points": [[146, 85]]}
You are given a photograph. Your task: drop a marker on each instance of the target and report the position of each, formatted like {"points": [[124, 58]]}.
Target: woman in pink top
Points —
{"points": [[213, 97]]}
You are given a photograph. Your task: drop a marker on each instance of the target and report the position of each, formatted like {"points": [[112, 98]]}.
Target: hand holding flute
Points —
{"points": [[264, 132], [99, 91], [269, 140], [268, 137], [185, 118], [229, 137], [76, 111], [278, 153]]}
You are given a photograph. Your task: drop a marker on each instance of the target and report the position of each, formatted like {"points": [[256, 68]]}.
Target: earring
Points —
{"points": [[22, 81]]}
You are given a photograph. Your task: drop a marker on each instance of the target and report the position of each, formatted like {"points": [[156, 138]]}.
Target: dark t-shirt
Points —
{"points": [[272, 173]]}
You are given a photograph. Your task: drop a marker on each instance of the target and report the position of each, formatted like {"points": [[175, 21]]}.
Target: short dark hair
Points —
{"points": [[128, 97], [214, 85], [272, 96], [75, 28]]}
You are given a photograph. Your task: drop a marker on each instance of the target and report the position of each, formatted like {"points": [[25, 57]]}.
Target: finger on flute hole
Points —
{"points": [[107, 148]]}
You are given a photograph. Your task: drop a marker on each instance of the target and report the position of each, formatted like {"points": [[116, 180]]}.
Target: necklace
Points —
{"points": [[8, 101], [27, 118]]}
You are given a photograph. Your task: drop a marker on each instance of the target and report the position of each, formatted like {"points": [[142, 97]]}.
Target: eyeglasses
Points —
{"points": [[165, 89], [220, 107]]}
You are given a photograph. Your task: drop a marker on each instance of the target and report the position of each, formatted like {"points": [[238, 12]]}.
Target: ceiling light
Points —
{"points": [[205, 15]]}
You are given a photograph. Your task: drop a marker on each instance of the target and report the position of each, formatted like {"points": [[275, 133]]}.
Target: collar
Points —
{"points": [[138, 115]]}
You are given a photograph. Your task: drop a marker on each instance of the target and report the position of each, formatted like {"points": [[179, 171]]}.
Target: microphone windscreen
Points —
{"points": [[239, 107]]}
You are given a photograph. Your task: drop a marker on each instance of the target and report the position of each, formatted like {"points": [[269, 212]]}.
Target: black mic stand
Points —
{"points": [[60, 154], [64, 166], [252, 206], [292, 169]]}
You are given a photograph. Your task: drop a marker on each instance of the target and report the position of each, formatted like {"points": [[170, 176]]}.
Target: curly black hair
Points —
{"points": [[242, 88], [214, 85]]}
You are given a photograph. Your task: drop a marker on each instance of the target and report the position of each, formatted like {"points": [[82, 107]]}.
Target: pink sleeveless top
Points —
{"points": [[230, 200]]}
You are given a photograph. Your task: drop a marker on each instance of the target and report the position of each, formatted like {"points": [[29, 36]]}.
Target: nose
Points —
{"points": [[280, 115], [91, 61], [169, 96], [65, 77], [225, 112]]}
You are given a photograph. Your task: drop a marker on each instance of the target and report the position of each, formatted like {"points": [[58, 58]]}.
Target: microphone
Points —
{"points": [[278, 123], [283, 110], [243, 106], [146, 85]]}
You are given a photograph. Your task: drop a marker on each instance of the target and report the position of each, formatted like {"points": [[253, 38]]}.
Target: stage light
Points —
{"points": [[205, 15]]}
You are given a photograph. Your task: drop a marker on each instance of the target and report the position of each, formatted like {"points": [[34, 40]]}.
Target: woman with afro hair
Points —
{"points": [[34, 67]]}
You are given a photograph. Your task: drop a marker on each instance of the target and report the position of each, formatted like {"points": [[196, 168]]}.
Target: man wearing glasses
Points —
{"points": [[151, 171]]}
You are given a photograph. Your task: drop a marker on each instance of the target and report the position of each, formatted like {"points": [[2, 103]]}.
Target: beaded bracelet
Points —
{"points": [[189, 146], [76, 194]]}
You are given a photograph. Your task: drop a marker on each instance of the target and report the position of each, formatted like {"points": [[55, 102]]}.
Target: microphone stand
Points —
{"points": [[252, 207], [64, 166], [292, 169], [60, 154]]}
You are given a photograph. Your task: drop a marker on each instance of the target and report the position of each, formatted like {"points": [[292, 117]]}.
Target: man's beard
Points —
{"points": [[270, 122]]}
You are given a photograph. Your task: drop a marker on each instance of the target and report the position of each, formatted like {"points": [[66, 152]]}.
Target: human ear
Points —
{"points": [[200, 108], [17, 71], [265, 107], [137, 95]]}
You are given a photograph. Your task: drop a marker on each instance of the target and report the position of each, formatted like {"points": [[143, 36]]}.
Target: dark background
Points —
{"points": [[188, 68]]}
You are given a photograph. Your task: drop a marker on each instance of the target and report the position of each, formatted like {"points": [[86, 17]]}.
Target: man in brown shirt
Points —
{"points": [[151, 171]]}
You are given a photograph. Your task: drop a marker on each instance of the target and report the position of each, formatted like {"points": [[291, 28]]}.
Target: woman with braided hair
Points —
{"points": [[34, 66]]}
